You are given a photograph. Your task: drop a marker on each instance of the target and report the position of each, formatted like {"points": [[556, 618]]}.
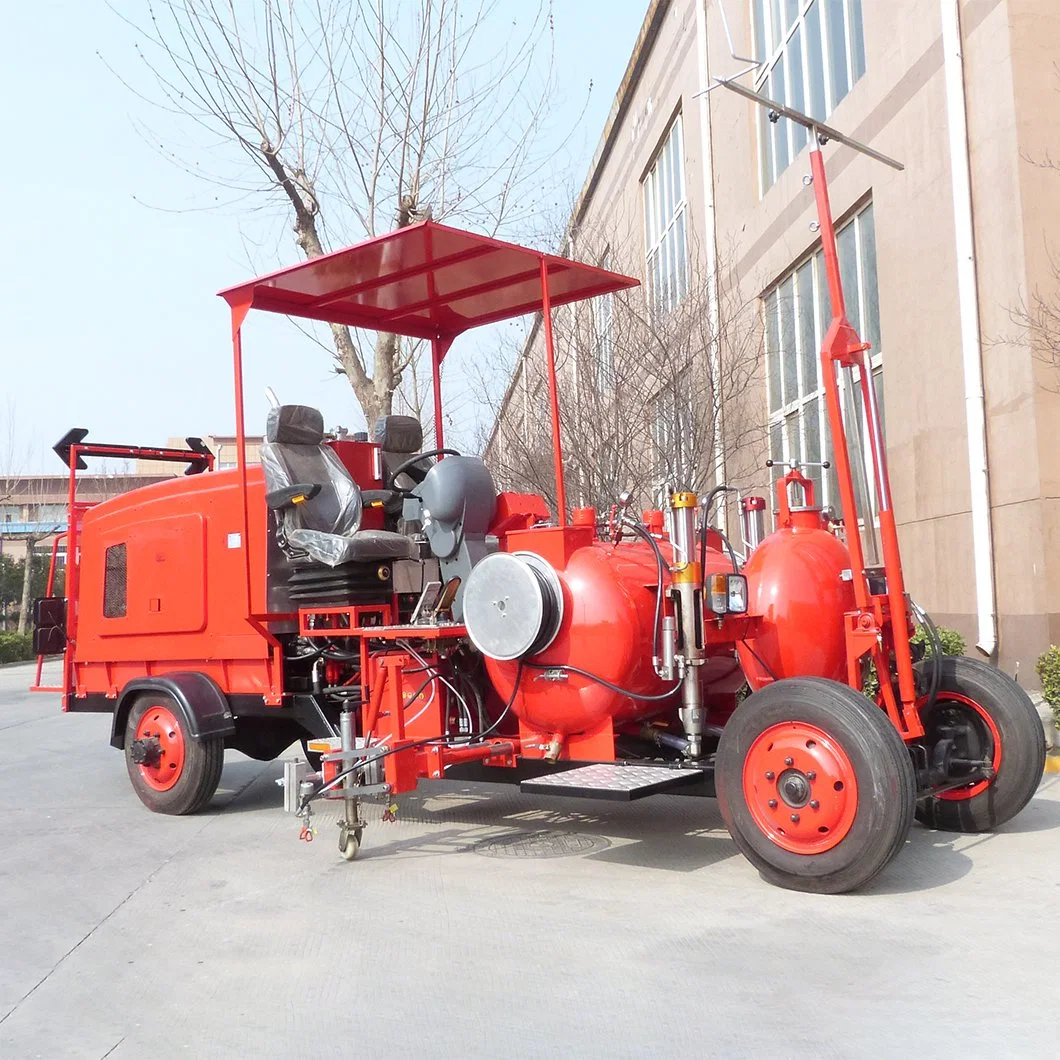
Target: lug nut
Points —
{"points": [[772, 804], [770, 775], [814, 804], [789, 761], [811, 775], [794, 818]]}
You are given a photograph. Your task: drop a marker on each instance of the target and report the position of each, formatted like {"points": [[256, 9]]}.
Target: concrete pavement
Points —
{"points": [[485, 923]]}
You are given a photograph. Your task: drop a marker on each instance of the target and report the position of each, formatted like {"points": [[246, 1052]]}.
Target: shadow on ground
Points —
{"points": [[666, 832]]}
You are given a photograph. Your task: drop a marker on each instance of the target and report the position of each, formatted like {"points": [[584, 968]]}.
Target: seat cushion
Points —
{"points": [[364, 545]]}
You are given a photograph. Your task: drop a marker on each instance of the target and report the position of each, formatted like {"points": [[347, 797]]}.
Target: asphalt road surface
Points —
{"points": [[487, 923]]}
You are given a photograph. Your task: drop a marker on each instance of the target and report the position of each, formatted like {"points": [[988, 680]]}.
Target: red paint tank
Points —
{"points": [[794, 581], [606, 629]]}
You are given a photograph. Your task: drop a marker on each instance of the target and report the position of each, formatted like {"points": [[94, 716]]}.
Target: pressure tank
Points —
{"points": [[798, 581], [596, 614]]}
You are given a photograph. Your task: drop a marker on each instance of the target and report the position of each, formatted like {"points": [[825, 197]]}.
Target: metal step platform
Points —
{"points": [[612, 780]]}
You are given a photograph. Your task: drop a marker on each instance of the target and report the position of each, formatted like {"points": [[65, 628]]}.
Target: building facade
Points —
{"points": [[691, 190]]}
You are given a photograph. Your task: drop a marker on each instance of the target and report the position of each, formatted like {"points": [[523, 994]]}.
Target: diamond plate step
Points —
{"points": [[610, 780]]}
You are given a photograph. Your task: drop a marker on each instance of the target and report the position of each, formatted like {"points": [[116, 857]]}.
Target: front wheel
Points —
{"points": [[815, 785], [170, 771], [984, 726]]}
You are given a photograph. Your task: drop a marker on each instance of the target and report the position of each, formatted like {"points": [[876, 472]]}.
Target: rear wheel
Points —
{"points": [[815, 785], [984, 724], [170, 772]]}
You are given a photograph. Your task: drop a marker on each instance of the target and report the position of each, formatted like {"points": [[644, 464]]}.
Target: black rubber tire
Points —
{"points": [[882, 767], [203, 762], [1022, 748]]}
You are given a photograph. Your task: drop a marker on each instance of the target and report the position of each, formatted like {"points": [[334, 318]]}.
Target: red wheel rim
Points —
{"points": [[800, 787], [979, 786], [160, 723]]}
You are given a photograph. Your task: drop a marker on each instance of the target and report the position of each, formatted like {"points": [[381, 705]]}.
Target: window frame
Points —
{"points": [[659, 237], [788, 409], [672, 430], [777, 48], [603, 314]]}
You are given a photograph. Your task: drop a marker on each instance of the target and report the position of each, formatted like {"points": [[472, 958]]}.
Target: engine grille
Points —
{"points": [[346, 583]]}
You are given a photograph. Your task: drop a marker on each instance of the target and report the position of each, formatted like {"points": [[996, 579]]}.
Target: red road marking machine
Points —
{"points": [[389, 599]]}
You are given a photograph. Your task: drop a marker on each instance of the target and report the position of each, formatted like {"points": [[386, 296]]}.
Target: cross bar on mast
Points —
{"points": [[821, 132]]}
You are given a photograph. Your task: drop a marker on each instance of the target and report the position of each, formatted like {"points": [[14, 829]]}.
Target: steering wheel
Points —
{"points": [[412, 461]]}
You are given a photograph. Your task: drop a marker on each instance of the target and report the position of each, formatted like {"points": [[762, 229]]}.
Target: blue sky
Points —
{"points": [[109, 312]]}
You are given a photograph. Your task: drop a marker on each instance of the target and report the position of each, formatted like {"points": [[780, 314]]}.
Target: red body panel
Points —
{"points": [[185, 596]]}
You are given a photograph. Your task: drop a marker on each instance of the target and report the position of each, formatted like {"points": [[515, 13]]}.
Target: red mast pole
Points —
{"points": [[553, 398], [843, 348]]}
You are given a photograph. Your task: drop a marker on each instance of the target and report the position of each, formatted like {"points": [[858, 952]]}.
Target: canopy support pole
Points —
{"points": [[239, 314], [553, 397], [439, 348]]}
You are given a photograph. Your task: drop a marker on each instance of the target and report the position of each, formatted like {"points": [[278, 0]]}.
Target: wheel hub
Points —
{"points": [[146, 752], [157, 748], [794, 788], [963, 746], [800, 787]]}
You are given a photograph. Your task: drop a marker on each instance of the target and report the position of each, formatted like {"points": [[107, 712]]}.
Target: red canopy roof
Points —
{"points": [[427, 280]]}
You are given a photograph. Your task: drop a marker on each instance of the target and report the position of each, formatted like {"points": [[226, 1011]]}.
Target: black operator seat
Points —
{"points": [[318, 503], [398, 438]]}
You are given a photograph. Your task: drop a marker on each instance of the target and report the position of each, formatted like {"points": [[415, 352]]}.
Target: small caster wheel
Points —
{"points": [[350, 843]]}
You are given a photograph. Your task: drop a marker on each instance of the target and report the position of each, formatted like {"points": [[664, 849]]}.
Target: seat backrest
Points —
{"points": [[294, 453], [398, 438]]}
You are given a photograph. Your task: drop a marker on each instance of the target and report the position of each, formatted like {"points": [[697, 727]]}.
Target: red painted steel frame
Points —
{"points": [[553, 397], [37, 686], [74, 511], [424, 281], [843, 348]]}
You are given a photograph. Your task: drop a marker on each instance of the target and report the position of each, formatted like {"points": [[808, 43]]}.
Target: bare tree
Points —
{"points": [[1038, 317], [1037, 314], [641, 397], [353, 117]]}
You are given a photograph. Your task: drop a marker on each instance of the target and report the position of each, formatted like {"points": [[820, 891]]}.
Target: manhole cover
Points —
{"points": [[541, 845]]}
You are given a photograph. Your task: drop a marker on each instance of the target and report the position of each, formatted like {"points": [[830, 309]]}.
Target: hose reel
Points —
{"points": [[513, 605]]}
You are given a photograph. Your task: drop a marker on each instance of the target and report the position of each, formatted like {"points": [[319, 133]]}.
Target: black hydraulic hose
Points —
{"points": [[936, 645], [603, 681], [705, 523], [445, 740], [728, 548], [507, 707], [660, 566], [761, 662]]}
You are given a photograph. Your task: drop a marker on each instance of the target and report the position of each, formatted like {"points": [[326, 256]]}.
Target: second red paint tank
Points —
{"points": [[795, 582]]}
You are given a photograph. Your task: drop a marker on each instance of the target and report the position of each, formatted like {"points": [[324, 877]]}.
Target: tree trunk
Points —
{"points": [[27, 582]]}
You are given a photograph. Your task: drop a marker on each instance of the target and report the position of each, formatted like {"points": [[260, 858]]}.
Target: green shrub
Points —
{"points": [[15, 647], [951, 642], [1049, 671]]}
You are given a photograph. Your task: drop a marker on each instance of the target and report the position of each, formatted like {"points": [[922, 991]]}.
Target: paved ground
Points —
{"points": [[125, 934]]}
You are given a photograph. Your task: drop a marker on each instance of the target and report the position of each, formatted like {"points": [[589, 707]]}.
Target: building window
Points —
{"points": [[813, 51], [603, 340], [665, 223], [797, 315]]}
